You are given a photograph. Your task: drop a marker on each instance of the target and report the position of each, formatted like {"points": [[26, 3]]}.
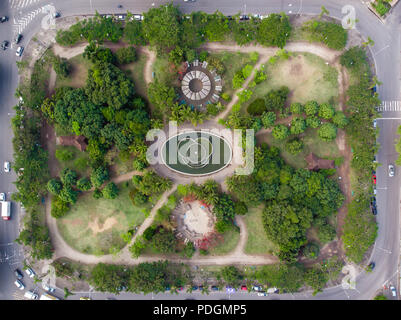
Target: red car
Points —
{"points": [[374, 178], [244, 288]]}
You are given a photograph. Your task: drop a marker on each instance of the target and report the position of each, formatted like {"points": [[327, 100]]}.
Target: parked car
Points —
{"points": [[19, 285], [6, 166], [85, 298], [244, 17], [272, 290], [374, 123], [371, 265], [262, 294], [200, 288], [257, 288], [2, 196], [18, 38], [214, 288], [393, 291], [194, 288], [4, 45], [18, 274], [121, 17], [257, 16], [56, 15], [31, 295], [167, 288], [30, 272], [244, 288], [391, 171], [180, 288], [19, 51], [138, 17], [374, 177], [3, 19], [46, 287], [374, 89], [374, 209]]}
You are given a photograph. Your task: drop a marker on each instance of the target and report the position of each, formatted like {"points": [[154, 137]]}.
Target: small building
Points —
{"points": [[78, 142], [315, 163]]}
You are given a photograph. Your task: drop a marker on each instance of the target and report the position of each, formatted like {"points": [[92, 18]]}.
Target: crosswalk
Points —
{"points": [[20, 4], [19, 24], [389, 106]]}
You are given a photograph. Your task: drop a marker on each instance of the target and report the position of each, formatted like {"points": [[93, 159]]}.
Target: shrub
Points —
{"points": [[139, 165], [326, 111], [188, 250], [311, 108], [280, 132], [254, 56], [98, 176], [331, 34], [275, 99], [382, 7], [246, 71], [54, 186], [238, 80], [340, 120], [268, 119], [298, 125], [244, 95], [110, 191], [240, 208], [67, 194], [313, 122], [274, 30], [68, 177], [61, 66], [257, 107], [294, 146], [215, 63], [84, 184], [97, 194], [327, 132], [225, 96], [59, 207], [203, 55], [311, 251], [326, 233], [296, 108], [126, 55]]}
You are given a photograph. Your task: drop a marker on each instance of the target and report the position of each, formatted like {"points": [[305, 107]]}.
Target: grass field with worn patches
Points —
{"points": [[79, 73], [257, 242], [312, 143], [94, 225]]}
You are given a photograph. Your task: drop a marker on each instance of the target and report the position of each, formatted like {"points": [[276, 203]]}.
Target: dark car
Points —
{"points": [[244, 17], [214, 288], [4, 45], [373, 206], [18, 38], [194, 288], [18, 274], [201, 288], [57, 15], [371, 265], [374, 89], [3, 19]]}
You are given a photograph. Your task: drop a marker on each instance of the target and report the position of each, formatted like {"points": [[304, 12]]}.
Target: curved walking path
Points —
{"points": [[237, 256]]}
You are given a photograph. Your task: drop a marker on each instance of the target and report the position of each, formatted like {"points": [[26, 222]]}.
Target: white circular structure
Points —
{"points": [[196, 85]]}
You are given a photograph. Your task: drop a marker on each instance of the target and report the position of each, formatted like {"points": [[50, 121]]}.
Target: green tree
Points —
{"points": [[313, 122], [64, 154], [126, 55], [54, 186], [294, 146], [326, 111], [268, 119], [340, 120], [84, 184], [110, 191], [231, 275], [327, 131], [296, 108], [98, 176], [68, 194], [257, 107], [298, 125], [274, 30], [59, 207], [311, 250], [68, 177], [280, 132], [311, 108]]}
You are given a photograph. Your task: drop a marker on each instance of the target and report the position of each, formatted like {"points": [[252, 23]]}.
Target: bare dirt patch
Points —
{"points": [[97, 227]]}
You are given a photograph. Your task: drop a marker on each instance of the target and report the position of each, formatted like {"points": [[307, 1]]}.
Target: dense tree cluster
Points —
{"points": [[294, 198], [331, 34]]}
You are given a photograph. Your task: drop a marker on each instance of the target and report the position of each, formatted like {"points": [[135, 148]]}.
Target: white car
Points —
{"points": [[262, 294], [19, 285], [47, 288], [374, 123], [393, 291], [257, 288], [2, 196], [391, 172], [30, 272], [138, 17], [6, 166], [19, 51]]}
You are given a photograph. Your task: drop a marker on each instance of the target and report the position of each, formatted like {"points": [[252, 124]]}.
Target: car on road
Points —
{"points": [[214, 288], [46, 287], [371, 266], [244, 288], [257, 288], [19, 51], [6, 166], [3, 19], [194, 288], [374, 177], [244, 17], [391, 171], [373, 208], [393, 291], [19, 285], [85, 298], [374, 123], [272, 290], [56, 15], [138, 17], [374, 89], [4, 45], [257, 16], [30, 272], [262, 294], [31, 295], [18, 38], [2, 196], [121, 17], [18, 274]]}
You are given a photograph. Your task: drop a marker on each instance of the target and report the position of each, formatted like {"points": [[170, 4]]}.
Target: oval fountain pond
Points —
{"points": [[196, 153]]}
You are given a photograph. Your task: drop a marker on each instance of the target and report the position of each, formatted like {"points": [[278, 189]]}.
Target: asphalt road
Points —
{"points": [[26, 17]]}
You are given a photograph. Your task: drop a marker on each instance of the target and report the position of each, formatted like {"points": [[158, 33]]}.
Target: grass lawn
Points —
{"points": [[257, 242], [164, 71], [231, 238], [78, 163], [78, 74], [233, 62], [306, 75], [312, 143], [94, 226], [135, 71]]}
